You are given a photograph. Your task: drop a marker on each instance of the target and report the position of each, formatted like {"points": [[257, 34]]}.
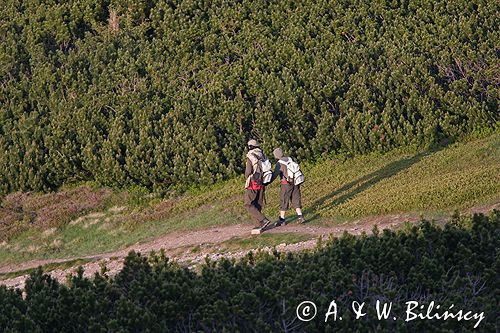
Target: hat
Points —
{"points": [[253, 142], [278, 153]]}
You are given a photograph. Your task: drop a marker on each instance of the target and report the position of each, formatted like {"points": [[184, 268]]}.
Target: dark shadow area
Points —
{"points": [[354, 188]]}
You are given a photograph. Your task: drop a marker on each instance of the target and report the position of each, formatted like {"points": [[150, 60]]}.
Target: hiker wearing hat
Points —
{"points": [[291, 178], [257, 174]]}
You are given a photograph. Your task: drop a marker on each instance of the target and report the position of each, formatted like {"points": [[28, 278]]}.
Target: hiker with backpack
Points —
{"points": [[291, 177], [257, 174]]}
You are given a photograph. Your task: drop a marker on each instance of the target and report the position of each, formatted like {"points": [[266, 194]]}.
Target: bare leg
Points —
{"points": [[299, 211], [282, 214]]}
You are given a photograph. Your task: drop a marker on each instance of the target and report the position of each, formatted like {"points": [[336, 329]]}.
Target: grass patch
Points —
{"points": [[81, 240], [456, 177]]}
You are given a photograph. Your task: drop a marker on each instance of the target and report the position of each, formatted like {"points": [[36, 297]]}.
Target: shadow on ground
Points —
{"points": [[351, 189]]}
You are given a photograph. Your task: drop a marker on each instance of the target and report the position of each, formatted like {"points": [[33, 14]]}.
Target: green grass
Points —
{"points": [[433, 183], [456, 177], [78, 240]]}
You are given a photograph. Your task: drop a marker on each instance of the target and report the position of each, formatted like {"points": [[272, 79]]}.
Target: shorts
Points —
{"points": [[289, 192]]}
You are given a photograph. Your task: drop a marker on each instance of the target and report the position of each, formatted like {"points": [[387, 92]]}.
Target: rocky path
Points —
{"points": [[178, 245]]}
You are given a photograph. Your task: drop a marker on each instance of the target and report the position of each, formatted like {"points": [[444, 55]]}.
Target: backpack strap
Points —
{"points": [[254, 159]]}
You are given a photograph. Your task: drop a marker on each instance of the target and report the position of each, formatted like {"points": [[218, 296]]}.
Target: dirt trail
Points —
{"points": [[177, 245], [212, 235]]}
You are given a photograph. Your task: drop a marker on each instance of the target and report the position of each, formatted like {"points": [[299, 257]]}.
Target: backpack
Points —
{"points": [[294, 175], [262, 168]]}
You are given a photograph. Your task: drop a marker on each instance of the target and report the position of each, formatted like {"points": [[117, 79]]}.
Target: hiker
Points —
{"points": [[257, 171], [291, 178]]}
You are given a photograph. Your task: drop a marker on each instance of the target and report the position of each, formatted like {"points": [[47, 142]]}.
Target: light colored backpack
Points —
{"points": [[262, 168], [266, 169], [294, 175]]}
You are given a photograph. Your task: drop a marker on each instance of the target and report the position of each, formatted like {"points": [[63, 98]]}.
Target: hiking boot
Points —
{"points": [[301, 220], [280, 222], [264, 223]]}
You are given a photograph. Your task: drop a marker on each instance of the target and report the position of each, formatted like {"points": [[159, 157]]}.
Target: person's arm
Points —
{"points": [[276, 172], [248, 172], [248, 168]]}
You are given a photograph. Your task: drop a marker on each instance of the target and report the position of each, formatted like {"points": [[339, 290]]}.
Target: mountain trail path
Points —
{"points": [[179, 245]]}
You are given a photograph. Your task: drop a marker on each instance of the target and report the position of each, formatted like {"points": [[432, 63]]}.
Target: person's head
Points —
{"points": [[252, 144], [278, 153]]}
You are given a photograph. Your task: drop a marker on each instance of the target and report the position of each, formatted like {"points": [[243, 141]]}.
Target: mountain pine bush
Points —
{"points": [[454, 264], [165, 93]]}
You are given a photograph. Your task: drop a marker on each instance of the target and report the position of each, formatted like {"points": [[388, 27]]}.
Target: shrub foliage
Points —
{"points": [[158, 93], [455, 264]]}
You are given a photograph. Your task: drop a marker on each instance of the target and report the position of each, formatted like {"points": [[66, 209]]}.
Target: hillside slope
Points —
{"points": [[163, 94], [83, 221]]}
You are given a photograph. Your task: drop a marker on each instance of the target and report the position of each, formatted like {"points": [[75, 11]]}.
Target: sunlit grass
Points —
{"points": [[435, 182]]}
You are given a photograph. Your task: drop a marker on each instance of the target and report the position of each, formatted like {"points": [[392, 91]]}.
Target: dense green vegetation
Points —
{"points": [[82, 221], [455, 264], [160, 94]]}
